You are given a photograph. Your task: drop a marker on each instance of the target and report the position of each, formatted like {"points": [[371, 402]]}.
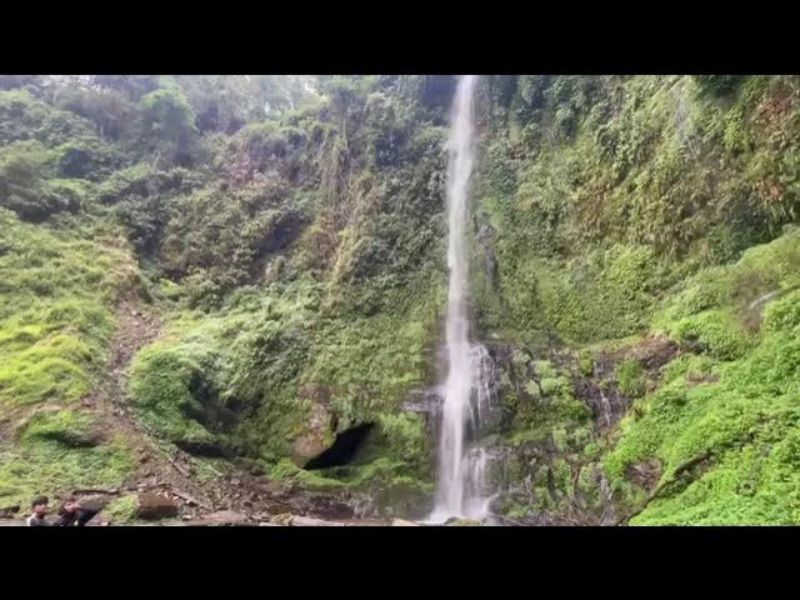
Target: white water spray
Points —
{"points": [[460, 476]]}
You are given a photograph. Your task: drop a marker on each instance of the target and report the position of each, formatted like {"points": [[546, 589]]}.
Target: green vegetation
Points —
{"points": [[620, 206], [630, 377], [737, 426], [600, 208], [40, 465], [66, 427], [55, 318], [55, 325], [290, 232], [123, 509]]}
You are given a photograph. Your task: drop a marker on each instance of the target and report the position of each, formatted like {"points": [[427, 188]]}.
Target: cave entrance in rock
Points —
{"points": [[344, 450]]}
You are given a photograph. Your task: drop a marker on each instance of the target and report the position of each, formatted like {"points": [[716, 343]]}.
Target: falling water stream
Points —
{"points": [[465, 391]]}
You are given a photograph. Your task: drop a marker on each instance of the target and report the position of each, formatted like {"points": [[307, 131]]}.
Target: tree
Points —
{"points": [[10, 82], [132, 87], [168, 122]]}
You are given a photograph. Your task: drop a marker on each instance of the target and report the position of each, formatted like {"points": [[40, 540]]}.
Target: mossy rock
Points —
{"points": [[66, 427], [122, 510]]}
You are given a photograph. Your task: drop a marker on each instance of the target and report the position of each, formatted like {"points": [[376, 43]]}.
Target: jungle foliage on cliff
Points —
{"points": [[288, 228], [635, 274], [615, 214]]}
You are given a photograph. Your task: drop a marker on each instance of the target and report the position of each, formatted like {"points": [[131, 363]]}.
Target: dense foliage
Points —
{"points": [[627, 207], [635, 271], [297, 252]]}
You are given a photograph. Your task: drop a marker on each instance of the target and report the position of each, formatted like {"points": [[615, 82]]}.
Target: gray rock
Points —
{"points": [[225, 516], [310, 522]]}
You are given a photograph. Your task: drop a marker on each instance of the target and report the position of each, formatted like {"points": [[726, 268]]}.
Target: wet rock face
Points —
{"points": [[553, 477], [516, 374], [437, 92], [428, 405], [550, 479], [601, 390], [497, 416], [645, 474], [603, 397], [554, 480], [424, 402], [488, 414], [485, 236], [398, 501], [549, 489]]}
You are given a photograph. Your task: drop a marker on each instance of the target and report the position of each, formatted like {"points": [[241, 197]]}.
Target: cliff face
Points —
{"points": [[635, 247]]}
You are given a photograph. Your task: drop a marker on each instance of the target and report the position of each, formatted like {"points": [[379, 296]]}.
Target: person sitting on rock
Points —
{"points": [[72, 513], [39, 506]]}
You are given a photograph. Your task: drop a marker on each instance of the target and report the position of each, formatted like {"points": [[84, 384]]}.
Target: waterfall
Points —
{"points": [[465, 389]]}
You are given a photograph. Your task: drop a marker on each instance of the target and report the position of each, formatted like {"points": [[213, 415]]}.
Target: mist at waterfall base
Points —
{"points": [[461, 471]]}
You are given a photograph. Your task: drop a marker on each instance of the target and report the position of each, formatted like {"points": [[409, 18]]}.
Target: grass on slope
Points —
{"points": [[56, 322], [726, 424]]}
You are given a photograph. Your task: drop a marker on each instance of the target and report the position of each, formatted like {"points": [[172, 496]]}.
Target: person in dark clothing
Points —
{"points": [[38, 518], [72, 514]]}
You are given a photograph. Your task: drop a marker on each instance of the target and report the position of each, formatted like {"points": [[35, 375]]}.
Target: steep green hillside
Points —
{"points": [[297, 260], [636, 279], [615, 209], [56, 321]]}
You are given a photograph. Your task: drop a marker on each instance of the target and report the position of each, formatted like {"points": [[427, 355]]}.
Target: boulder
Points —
{"points": [[403, 523], [311, 522], [316, 433], [322, 505], [94, 502], [152, 506], [225, 516]]}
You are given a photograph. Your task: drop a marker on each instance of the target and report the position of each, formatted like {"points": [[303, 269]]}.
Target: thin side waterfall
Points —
{"points": [[465, 390]]}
